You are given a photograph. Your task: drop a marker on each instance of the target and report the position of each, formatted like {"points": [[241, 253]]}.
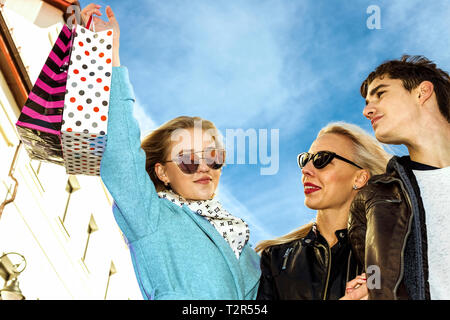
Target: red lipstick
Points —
{"points": [[310, 188]]}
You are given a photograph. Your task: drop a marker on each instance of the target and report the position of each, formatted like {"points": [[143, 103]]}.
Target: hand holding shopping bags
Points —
{"points": [[64, 120], [84, 127], [100, 25]]}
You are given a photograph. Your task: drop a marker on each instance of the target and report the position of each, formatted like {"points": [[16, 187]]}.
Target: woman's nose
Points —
{"points": [[203, 166], [308, 169]]}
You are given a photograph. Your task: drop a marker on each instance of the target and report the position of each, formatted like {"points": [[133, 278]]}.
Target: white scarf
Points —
{"points": [[234, 230]]}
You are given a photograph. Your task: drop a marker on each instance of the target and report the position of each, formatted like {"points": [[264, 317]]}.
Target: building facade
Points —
{"points": [[63, 225]]}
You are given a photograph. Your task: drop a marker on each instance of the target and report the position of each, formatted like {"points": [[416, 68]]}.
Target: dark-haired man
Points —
{"points": [[399, 223]]}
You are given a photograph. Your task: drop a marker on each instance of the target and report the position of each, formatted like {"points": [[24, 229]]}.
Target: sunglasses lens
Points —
{"points": [[215, 158], [188, 163], [303, 159], [321, 159]]}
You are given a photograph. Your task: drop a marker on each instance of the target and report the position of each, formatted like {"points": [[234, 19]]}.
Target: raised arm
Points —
{"points": [[123, 162]]}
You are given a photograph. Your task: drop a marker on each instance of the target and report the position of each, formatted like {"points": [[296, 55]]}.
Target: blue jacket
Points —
{"points": [[176, 253]]}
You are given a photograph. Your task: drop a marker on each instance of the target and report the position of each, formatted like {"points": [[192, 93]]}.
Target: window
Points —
{"points": [[92, 227], [35, 166], [112, 270], [5, 137], [71, 186]]}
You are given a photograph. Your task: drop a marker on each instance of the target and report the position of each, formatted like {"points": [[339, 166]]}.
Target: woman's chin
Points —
{"points": [[312, 204], [203, 194]]}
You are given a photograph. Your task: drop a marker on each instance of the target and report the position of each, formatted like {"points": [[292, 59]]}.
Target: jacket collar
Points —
{"points": [[310, 237], [314, 234], [394, 169], [398, 170], [396, 161]]}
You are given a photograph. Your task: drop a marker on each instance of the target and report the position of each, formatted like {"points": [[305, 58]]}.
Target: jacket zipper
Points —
{"points": [[402, 263], [328, 271], [348, 267], [328, 275], [286, 256]]}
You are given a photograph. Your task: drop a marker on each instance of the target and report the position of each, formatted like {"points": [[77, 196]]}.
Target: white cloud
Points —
{"points": [[224, 61], [413, 31], [235, 207], [146, 123]]}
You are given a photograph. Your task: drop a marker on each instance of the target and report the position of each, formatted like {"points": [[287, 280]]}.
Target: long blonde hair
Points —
{"points": [[369, 154]]}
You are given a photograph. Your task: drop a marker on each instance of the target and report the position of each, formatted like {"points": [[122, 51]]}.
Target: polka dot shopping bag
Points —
{"points": [[85, 117]]}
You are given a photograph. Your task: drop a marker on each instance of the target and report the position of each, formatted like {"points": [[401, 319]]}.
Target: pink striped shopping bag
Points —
{"points": [[39, 124]]}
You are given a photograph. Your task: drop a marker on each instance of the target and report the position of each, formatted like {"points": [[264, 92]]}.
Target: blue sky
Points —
{"points": [[288, 65]]}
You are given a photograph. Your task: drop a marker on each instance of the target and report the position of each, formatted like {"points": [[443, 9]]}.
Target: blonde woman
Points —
{"points": [[315, 261], [183, 243]]}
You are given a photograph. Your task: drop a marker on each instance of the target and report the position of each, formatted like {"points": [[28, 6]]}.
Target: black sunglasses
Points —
{"points": [[188, 162], [320, 159]]}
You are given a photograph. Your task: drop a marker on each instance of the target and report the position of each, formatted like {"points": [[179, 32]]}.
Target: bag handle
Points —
{"points": [[88, 24]]}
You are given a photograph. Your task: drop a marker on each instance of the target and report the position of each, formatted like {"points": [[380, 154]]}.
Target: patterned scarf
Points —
{"points": [[234, 230]]}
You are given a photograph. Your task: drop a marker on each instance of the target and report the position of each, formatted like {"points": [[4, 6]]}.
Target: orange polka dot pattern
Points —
{"points": [[85, 116]]}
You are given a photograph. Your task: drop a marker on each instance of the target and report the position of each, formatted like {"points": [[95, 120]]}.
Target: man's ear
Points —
{"points": [[160, 171], [361, 178], [424, 91]]}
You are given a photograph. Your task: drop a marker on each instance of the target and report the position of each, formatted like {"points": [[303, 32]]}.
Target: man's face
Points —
{"points": [[392, 110]]}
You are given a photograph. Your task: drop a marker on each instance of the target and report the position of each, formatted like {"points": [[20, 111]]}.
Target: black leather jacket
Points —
{"points": [[307, 269], [387, 229]]}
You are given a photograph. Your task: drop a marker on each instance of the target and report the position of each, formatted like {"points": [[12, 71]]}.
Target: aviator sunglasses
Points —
{"points": [[320, 159], [188, 162]]}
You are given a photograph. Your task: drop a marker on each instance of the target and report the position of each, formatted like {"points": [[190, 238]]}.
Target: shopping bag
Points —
{"points": [[39, 123], [84, 125]]}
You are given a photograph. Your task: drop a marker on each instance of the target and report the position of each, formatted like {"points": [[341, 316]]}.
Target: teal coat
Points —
{"points": [[176, 253]]}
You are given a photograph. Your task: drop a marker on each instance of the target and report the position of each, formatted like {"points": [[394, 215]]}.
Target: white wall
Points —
{"points": [[31, 225]]}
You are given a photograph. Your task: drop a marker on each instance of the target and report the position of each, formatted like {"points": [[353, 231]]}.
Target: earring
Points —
{"points": [[355, 187]]}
